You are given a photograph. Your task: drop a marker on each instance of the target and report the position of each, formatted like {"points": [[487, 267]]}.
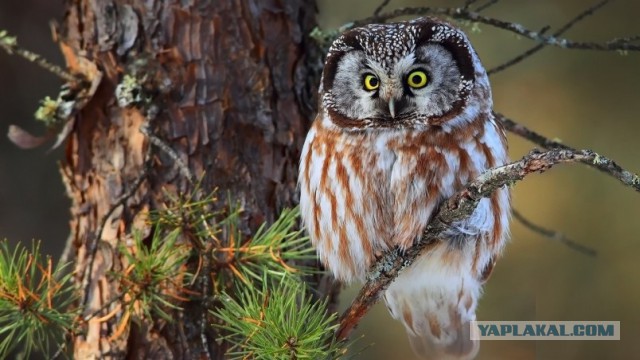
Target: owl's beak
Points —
{"points": [[392, 100], [392, 107]]}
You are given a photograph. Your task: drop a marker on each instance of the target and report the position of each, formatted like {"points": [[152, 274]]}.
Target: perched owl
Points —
{"points": [[404, 123]]}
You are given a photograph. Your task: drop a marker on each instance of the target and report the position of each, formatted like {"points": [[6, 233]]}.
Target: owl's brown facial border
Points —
{"points": [[452, 39], [333, 58]]}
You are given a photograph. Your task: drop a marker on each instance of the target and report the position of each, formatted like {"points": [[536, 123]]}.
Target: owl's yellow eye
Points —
{"points": [[371, 82], [417, 79]]}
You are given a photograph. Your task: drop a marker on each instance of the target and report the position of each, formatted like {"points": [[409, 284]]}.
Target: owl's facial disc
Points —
{"points": [[423, 83], [423, 72]]}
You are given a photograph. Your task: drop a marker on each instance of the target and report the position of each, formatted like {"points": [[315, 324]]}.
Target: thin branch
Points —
{"points": [[178, 162], [466, 6], [586, 13], [204, 284], [456, 208], [601, 163], [10, 45], [87, 276], [108, 304], [519, 58], [381, 7], [633, 38], [621, 44], [61, 348], [553, 235], [484, 7]]}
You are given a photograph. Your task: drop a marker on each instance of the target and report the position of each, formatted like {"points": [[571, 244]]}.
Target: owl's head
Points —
{"points": [[418, 73]]}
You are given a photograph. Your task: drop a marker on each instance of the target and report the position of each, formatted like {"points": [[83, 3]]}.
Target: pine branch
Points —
{"points": [[277, 320], [34, 301], [269, 251], [154, 277], [456, 208], [232, 262], [271, 314]]}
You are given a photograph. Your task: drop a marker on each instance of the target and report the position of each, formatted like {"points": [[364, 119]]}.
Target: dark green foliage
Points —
{"points": [[263, 310], [154, 277], [278, 320], [271, 250], [34, 297]]}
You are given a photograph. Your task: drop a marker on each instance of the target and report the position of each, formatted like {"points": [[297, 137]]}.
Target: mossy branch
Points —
{"points": [[10, 45]]}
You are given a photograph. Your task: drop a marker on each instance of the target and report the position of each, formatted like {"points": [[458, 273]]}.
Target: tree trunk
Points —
{"points": [[233, 87]]}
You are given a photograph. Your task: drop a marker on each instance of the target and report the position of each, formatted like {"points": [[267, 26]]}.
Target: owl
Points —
{"points": [[404, 123]]}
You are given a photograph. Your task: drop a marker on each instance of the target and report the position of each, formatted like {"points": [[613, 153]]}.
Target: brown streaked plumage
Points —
{"points": [[381, 156]]}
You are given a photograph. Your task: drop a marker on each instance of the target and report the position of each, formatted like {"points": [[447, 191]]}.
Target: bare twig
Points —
{"points": [[204, 285], [601, 163], [466, 6], [586, 13], [381, 7], [456, 208], [10, 45], [519, 58], [61, 348], [620, 44], [633, 38], [107, 305], [179, 163], [67, 252], [484, 7], [553, 235], [93, 250]]}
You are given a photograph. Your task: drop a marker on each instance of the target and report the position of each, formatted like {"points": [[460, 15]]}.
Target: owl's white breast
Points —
{"points": [[362, 193]]}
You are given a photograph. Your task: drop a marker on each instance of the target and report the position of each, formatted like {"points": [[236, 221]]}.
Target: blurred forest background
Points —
{"points": [[588, 99]]}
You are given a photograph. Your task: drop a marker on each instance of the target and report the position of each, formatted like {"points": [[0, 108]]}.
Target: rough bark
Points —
{"points": [[232, 88]]}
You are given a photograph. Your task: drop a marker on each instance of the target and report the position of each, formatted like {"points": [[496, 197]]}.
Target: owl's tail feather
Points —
{"points": [[436, 303], [460, 347]]}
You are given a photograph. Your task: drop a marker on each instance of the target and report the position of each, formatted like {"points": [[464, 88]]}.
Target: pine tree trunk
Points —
{"points": [[233, 89]]}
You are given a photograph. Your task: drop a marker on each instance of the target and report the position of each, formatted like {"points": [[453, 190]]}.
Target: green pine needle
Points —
{"points": [[278, 321], [190, 212], [153, 280], [33, 304], [271, 250]]}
